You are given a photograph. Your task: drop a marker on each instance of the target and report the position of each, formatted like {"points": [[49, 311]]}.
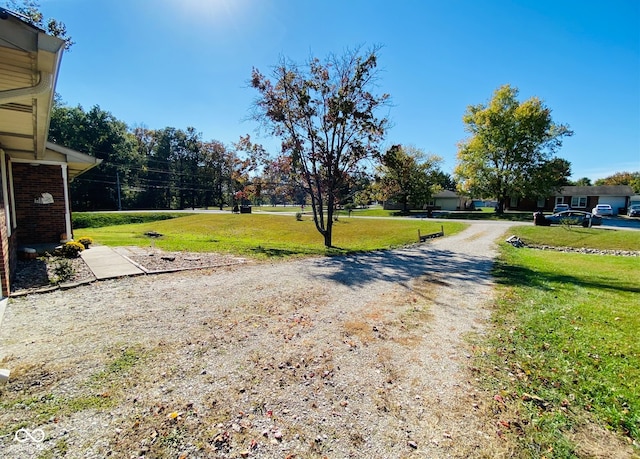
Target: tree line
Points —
{"points": [[145, 168], [329, 118]]}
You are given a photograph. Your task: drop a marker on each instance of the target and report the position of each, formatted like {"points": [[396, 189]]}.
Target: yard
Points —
{"points": [[399, 353]]}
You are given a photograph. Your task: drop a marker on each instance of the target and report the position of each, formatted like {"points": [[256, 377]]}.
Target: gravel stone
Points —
{"points": [[358, 356]]}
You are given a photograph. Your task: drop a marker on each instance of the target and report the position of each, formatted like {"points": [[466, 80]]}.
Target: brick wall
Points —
{"points": [[38, 223], [5, 257]]}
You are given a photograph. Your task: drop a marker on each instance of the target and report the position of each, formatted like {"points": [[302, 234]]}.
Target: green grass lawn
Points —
{"points": [[565, 351], [266, 235], [576, 236], [483, 213], [99, 219], [487, 213]]}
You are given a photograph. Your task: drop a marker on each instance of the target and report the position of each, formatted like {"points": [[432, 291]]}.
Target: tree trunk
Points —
{"points": [[405, 204], [327, 235]]}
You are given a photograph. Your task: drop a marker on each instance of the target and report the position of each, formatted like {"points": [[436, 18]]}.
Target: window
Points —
{"points": [[578, 201], [559, 200], [541, 202], [513, 202]]}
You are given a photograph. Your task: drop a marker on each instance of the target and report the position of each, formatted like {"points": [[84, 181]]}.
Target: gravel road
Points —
{"points": [[360, 356]]}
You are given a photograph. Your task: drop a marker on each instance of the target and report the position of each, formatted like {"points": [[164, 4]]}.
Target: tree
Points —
{"points": [[215, 173], [622, 178], [99, 134], [325, 115], [408, 176], [30, 12], [584, 181], [510, 147]]}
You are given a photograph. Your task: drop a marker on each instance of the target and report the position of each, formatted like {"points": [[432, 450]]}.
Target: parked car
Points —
{"points": [[573, 217], [634, 210], [561, 208], [602, 209]]}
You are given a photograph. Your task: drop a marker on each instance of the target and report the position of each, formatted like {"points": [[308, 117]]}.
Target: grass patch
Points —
{"points": [[489, 214], [41, 409], [578, 237], [264, 236], [100, 219], [119, 366], [564, 353], [102, 392]]}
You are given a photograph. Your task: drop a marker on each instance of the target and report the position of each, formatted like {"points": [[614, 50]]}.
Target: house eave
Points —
{"points": [[27, 89], [77, 162]]}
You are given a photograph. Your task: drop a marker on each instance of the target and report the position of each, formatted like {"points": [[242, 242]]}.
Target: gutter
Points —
{"points": [[44, 85]]}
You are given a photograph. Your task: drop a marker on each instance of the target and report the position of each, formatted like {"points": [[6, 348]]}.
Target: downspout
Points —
{"points": [[11, 95], [5, 192], [67, 209]]}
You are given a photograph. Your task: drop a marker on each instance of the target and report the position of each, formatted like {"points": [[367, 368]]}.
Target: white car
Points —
{"points": [[602, 210], [561, 208]]}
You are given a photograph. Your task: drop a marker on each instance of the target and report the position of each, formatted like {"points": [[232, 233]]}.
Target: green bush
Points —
{"points": [[63, 271], [299, 216], [69, 250], [98, 220]]}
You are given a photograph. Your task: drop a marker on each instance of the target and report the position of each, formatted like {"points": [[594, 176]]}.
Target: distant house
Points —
{"points": [[443, 200], [34, 173], [580, 198], [448, 200]]}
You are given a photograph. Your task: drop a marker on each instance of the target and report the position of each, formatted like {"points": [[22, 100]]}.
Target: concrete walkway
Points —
{"points": [[105, 263]]}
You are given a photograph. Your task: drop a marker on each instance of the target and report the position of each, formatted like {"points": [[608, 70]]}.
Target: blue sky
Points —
{"points": [[183, 63]]}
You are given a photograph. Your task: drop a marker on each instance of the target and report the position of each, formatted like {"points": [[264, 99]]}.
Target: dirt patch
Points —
{"points": [[597, 442], [43, 273], [361, 356]]}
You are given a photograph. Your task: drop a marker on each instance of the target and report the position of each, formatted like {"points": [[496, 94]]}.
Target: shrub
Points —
{"points": [[299, 216], [85, 241], [63, 271], [69, 250], [99, 220]]}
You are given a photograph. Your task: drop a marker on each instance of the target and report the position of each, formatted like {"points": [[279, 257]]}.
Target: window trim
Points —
{"points": [[578, 202]]}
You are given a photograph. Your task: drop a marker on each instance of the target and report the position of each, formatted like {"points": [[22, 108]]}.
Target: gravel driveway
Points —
{"points": [[361, 356]]}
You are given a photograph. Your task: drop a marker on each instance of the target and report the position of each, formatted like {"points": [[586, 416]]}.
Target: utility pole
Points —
{"points": [[118, 187]]}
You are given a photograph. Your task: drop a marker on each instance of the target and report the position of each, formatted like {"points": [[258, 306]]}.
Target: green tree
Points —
{"points": [[408, 176], [215, 174], [622, 178], [99, 134], [325, 115], [584, 181], [510, 146]]}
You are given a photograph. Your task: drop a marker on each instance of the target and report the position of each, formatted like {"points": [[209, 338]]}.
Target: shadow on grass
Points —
{"points": [[277, 253], [507, 274], [512, 217], [403, 265]]}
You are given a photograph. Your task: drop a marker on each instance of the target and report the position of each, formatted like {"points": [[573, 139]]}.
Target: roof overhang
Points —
{"points": [[77, 162], [29, 65]]}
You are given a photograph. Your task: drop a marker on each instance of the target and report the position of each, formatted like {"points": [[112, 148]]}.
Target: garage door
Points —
{"points": [[616, 202]]}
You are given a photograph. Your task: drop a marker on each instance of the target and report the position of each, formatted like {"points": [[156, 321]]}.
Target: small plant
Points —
{"points": [[299, 216], [85, 241], [63, 271], [566, 223], [69, 250]]}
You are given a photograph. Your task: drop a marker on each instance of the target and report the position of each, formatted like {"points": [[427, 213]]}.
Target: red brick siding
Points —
{"points": [[5, 272], [38, 223]]}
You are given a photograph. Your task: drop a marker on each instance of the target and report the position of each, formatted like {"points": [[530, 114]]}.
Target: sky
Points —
{"points": [[181, 63]]}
